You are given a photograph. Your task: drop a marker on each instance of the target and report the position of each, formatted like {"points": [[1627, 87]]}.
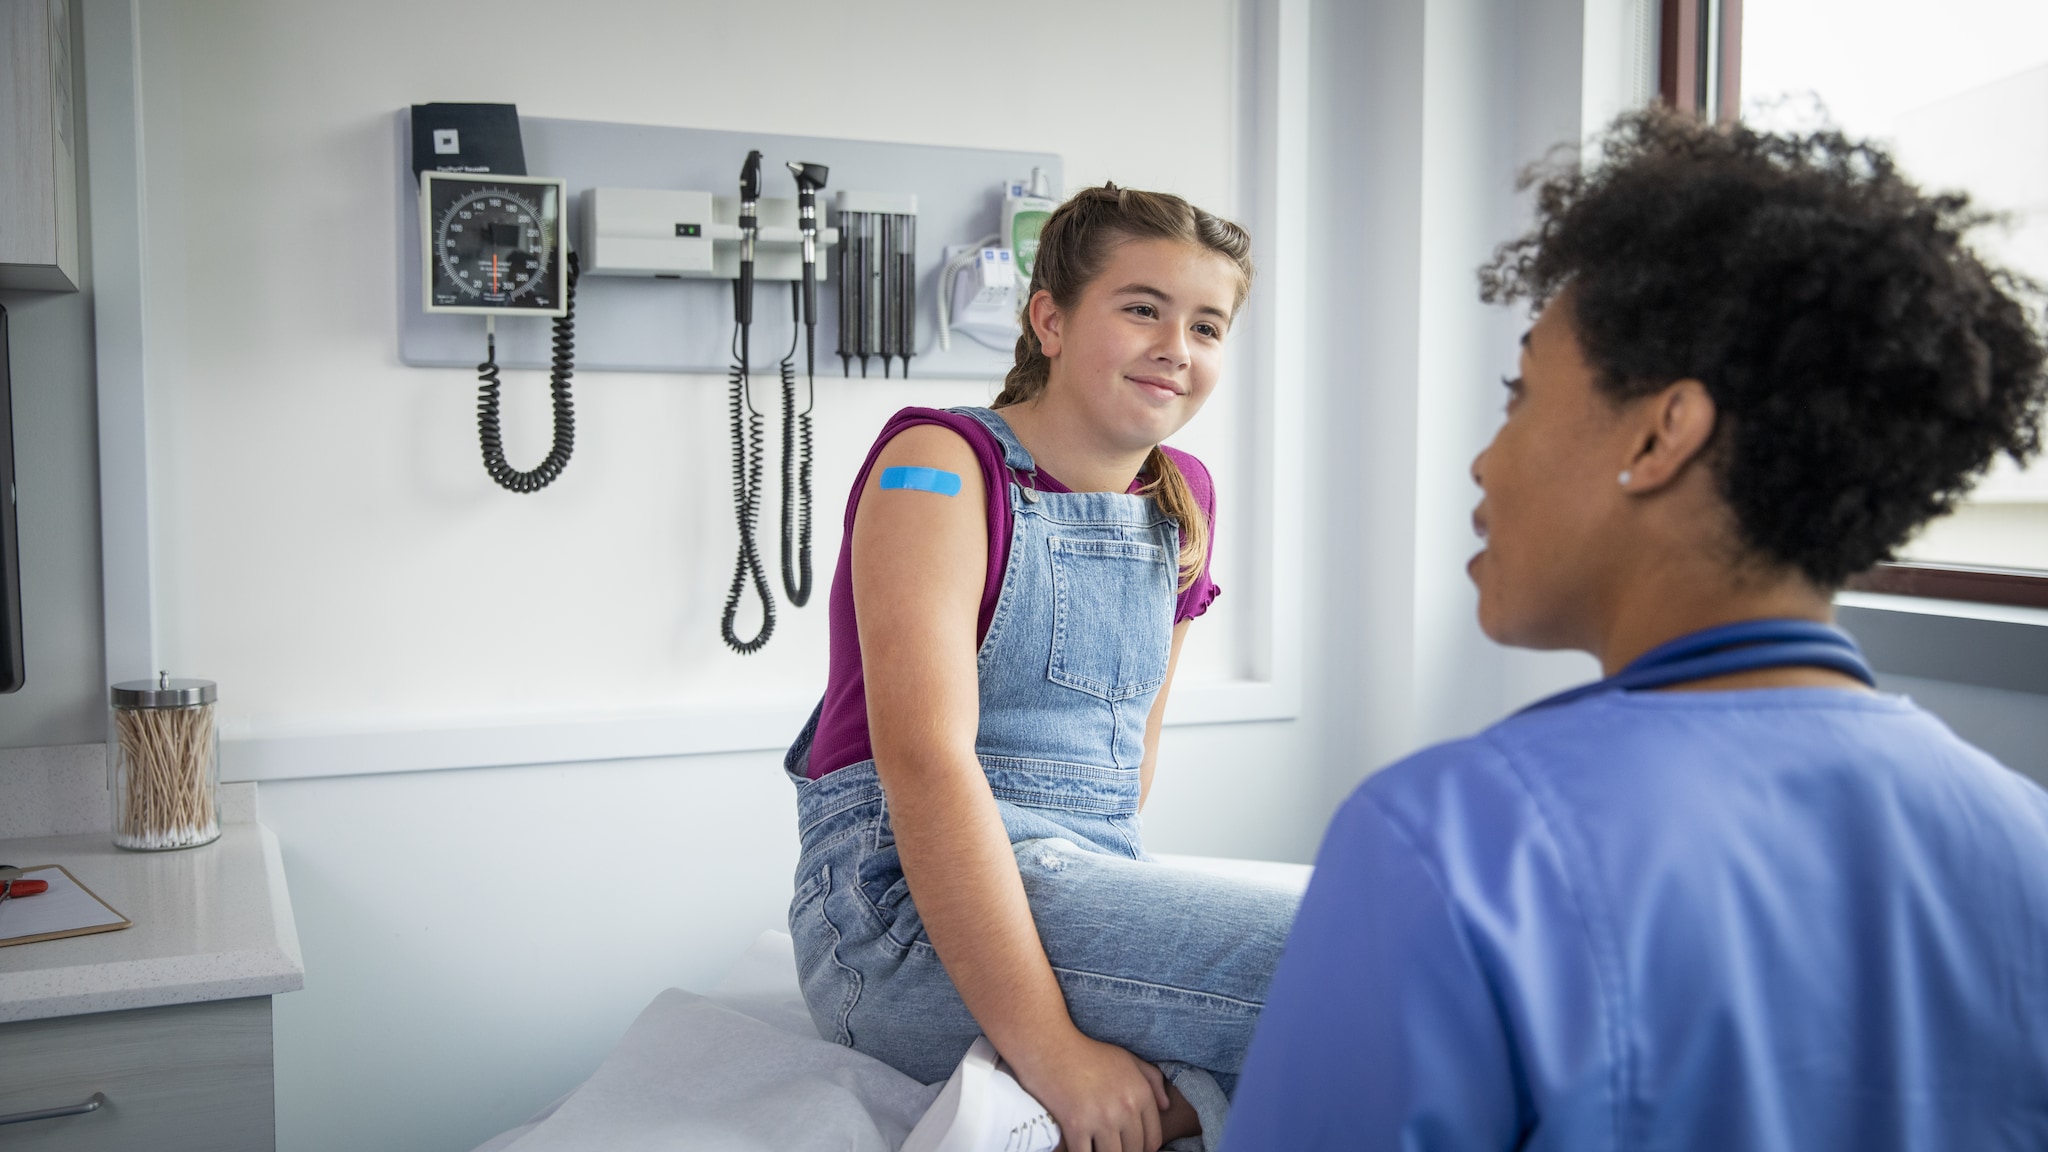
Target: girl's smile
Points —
{"points": [[1162, 388]]}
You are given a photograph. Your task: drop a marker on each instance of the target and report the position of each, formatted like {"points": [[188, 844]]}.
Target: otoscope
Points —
{"points": [[809, 179], [750, 226], [746, 428]]}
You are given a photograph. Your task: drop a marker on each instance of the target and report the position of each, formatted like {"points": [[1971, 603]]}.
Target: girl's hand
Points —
{"points": [[1103, 1098]]}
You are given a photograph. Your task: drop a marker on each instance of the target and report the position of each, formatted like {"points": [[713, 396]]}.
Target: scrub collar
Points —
{"points": [[1745, 646]]}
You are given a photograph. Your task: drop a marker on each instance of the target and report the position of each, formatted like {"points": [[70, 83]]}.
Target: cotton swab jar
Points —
{"points": [[165, 764]]}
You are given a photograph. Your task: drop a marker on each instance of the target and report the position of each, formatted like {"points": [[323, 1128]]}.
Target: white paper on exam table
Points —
{"points": [[65, 908], [755, 1029], [741, 1071]]}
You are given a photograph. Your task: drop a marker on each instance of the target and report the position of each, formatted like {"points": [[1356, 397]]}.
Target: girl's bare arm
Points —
{"points": [[1158, 717], [919, 562]]}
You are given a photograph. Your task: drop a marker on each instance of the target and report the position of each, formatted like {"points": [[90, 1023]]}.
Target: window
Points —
{"points": [[1959, 93]]}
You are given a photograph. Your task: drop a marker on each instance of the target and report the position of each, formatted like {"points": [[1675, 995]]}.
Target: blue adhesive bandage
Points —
{"points": [[923, 480]]}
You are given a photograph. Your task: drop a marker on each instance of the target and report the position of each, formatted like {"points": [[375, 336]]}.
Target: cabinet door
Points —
{"points": [[39, 179], [186, 1076]]}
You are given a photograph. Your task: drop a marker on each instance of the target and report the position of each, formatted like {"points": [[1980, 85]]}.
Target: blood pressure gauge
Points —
{"points": [[493, 244]]}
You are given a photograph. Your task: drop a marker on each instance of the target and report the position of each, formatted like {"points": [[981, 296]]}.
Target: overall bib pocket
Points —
{"points": [[1098, 645]]}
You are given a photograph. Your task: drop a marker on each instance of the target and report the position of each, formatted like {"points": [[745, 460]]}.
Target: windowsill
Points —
{"points": [[1977, 584], [1988, 645]]}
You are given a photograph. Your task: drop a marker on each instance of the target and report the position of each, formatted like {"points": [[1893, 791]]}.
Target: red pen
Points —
{"points": [[11, 884]]}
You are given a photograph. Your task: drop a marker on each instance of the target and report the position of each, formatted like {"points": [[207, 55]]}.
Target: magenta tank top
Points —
{"points": [[842, 736]]}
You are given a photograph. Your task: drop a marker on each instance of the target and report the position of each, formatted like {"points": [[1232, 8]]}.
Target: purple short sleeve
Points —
{"points": [[1203, 591], [842, 735]]}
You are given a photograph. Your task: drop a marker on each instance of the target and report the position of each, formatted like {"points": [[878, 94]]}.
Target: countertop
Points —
{"points": [[209, 923]]}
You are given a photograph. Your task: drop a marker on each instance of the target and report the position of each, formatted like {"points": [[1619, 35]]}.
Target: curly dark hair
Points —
{"points": [[1867, 364]]}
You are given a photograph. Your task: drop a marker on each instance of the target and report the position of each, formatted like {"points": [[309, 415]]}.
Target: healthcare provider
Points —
{"points": [[1729, 897]]}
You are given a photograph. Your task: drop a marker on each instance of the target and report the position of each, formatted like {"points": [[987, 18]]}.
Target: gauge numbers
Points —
{"points": [[492, 243], [490, 246]]}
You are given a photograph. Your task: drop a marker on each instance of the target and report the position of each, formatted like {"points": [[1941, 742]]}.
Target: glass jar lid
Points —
{"points": [[163, 692]]}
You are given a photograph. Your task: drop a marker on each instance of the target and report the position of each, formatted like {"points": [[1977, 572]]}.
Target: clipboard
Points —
{"points": [[72, 909]]}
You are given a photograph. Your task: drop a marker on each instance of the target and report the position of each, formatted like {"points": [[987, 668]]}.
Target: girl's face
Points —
{"points": [[1143, 347], [1552, 510]]}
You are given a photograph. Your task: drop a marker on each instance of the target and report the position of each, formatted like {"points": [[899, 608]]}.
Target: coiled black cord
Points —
{"points": [[746, 488], [798, 487], [560, 366]]}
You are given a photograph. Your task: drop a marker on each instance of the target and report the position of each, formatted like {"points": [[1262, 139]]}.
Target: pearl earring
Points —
{"points": [[1625, 478]]}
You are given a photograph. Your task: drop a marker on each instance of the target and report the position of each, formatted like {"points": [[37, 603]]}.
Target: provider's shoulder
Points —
{"points": [[1456, 779]]}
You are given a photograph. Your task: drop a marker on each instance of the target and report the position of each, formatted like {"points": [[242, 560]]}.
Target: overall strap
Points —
{"points": [[1745, 646], [1014, 455]]}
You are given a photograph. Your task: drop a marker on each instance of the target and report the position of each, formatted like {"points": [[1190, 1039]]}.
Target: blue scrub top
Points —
{"points": [[1791, 918]]}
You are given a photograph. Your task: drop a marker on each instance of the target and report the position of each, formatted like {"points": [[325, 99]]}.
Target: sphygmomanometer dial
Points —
{"points": [[494, 243], [490, 245]]}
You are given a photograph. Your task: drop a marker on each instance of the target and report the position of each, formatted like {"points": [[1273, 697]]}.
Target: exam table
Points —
{"points": [[744, 1070]]}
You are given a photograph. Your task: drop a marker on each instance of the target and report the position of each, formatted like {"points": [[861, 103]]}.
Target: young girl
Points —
{"points": [[1010, 599]]}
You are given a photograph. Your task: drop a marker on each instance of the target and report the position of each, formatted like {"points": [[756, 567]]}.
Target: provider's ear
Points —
{"points": [[1045, 322], [1673, 429]]}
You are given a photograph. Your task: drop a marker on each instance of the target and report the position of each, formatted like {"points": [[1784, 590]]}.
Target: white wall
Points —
{"points": [[326, 546], [1421, 114], [476, 941], [319, 509]]}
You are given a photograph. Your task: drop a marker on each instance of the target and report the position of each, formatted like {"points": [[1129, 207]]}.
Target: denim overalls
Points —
{"points": [[1169, 964]]}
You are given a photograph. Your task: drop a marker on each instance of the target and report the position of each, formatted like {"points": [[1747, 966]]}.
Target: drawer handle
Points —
{"points": [[92, 1105]]}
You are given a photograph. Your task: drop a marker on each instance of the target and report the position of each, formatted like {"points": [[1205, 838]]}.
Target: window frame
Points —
{"points": [[1978, 584], [1699, 65], [1699, 56]]}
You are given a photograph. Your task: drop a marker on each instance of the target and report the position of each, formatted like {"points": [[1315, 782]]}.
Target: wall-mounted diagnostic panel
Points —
{"points": [[642, 202], [493, 243], [674, 235]]}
